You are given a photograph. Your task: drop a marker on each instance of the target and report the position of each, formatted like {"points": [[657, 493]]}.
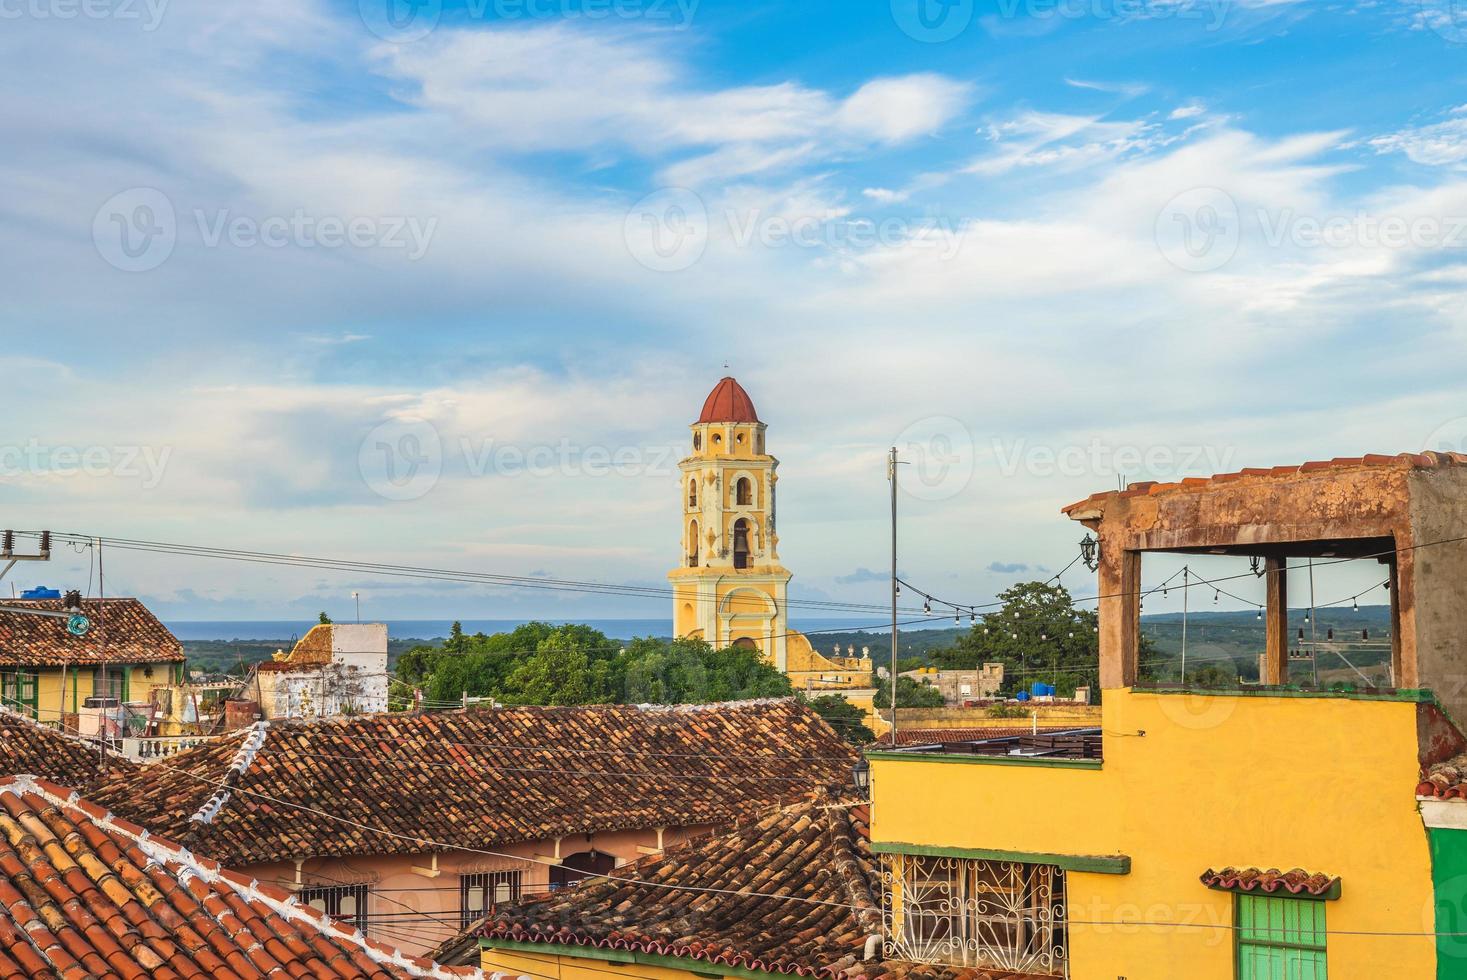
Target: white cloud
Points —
{"points": [[1442, 144], [893, 110], [1046, 139], [1189, 111]]}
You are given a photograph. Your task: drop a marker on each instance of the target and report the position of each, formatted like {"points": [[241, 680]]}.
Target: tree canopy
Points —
{"points": [[1038, 635], [541, 664]]}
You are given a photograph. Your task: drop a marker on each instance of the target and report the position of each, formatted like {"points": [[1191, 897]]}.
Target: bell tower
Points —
{"points": [[730, 588]]}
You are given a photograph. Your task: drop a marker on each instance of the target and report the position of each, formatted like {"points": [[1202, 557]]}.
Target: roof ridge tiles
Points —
{"points": [[1423, 460], [208, 872]]}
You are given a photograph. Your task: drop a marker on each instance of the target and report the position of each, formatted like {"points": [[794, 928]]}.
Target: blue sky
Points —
{"points": [[1033, 243]]}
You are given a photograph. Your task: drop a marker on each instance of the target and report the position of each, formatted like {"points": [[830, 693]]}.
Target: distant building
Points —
{"points": [[730, 588], [335, 670], [414, 826], [49, 674], [958, 686]]}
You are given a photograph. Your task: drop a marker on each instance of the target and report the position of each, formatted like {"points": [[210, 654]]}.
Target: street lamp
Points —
{"points": [[861, 774], [1090, 552]]}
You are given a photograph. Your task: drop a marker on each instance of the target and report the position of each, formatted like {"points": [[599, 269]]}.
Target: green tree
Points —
{"points": [[910, 694], [557, 673], [844, 717], [324, 619], [1038, 635]]}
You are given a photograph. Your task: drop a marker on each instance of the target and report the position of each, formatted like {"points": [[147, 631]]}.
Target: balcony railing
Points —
{"points": [[147, 750], [1079, 743]]}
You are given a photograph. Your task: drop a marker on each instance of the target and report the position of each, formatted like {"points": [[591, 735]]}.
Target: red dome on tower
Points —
{"points": [[728, 402]]}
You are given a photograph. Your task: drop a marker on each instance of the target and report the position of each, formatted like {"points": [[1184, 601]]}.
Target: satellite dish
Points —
{"points": [[77, 624]]}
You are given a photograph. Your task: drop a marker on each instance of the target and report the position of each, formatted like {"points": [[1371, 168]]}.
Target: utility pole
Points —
{"points": [[1186, 575], [357, 597], [891, 470], [102, 637]]}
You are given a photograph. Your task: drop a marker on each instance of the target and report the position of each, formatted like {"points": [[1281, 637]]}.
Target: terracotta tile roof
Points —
{"points": [[412, 783], [132, 635], [1403, 461], [84, 894], [1252, 880], [33, 749], [1445, 780], [686, 903]]}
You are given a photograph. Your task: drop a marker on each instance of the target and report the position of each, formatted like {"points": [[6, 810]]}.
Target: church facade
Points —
{"points": [[729, 587]]}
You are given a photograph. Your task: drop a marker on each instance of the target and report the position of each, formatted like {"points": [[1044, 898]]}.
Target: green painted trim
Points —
{"points": [[1118, 864], [886, 755], [628, 957], [1409, 695], [1330, 895]]}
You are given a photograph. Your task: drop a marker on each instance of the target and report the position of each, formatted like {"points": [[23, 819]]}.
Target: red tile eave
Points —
{"points": [[1295, 882], [1403, 461], [689, 951]]}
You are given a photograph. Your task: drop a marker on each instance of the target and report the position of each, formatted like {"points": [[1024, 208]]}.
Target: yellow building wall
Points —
{"points": [[1214, 781], [544, 967]]}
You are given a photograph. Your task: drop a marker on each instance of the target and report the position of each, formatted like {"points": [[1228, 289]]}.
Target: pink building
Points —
{"points": [[414, 826]]}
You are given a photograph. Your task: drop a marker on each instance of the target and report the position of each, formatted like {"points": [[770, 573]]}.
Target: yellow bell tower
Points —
{"points": [[730, 588]]}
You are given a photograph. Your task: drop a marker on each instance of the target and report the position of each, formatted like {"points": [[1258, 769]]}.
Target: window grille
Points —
{"points": [[1000, 915], [344, 903], [480, 894]]}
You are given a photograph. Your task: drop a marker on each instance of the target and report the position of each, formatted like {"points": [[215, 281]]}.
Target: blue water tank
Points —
{"points": [[1022, 696], [40, 592]]}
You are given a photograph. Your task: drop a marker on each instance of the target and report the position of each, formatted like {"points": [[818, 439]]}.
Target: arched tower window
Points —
{"points": [[744, 491], [693, 545], [693, 492], [741, 543], [697, 441]]}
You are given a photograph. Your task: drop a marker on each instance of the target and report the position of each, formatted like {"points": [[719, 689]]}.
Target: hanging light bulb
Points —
{"points": [[1165, 592], [1043, 635], [957, 618], [1260, 612], [972, 615], [1216, 596], [985, 631], [927, 604], [1016, 636], [1355, 605], [1306, 617], [1386, 586]]}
